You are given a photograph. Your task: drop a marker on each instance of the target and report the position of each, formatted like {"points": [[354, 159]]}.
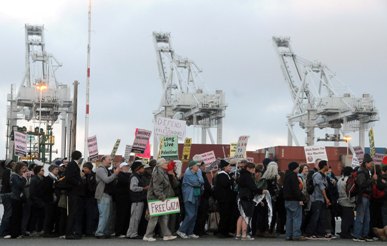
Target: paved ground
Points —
{"points": [[212, 241]]}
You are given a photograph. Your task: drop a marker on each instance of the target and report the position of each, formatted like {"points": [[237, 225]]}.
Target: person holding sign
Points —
{"points": [[192, 186], [159, 189]]}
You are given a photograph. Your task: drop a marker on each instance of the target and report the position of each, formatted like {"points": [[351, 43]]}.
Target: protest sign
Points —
{"points": [[115, 148], [141, 141], [20, 140], [240, 152], [359, 152], [169, 148], [170, 127], [207, 158], [187, 149], [378, 158], [233, 147], [250, 159], [128, 150], [372, 142], [168, 206], [312, 153], [92, 146]]}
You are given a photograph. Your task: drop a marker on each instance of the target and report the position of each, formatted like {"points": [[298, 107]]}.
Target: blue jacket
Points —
{"points": [[190, 182]]}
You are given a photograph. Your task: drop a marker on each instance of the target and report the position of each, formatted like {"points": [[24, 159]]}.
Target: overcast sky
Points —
{"points": [[231, 42]]}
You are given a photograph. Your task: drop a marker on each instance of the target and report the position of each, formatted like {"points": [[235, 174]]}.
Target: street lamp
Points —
{"points": [[41, 86], [347, 138]]}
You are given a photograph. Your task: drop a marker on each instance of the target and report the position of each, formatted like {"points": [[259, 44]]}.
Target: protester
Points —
{"points": [[122, 200], [6, 193], [137, 197], [192, 188], [37, 204], [103, 193], [204, 205], [347, 204], [271, 176], [293, 203], [159, 189], [331, 210]]}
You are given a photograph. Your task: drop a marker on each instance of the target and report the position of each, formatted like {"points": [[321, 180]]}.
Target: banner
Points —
{"points": [[378, 159], [359, 153], [372, 142], [168, 206], [312, 153], [169, 148], [92, 146], [170, 127], [115, 148], [207, 158], [233, 148], [187, 149], [128, 150], [141, 141], [240, 152], [20, 140]]}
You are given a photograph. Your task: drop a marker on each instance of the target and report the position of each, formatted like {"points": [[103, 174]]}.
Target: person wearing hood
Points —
{"points": [[192, 188], [293, 203]]}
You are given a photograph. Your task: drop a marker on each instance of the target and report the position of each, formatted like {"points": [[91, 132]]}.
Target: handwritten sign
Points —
{"points": [[241, 148], [233, 147], [187, 149], [372, 142], [141, 141], [92, 146], [207, 158], [359, 153], [128, 150], [378, 158], [169, 148], [169, 206], [20, 143], [170, 127], [312, 153]]}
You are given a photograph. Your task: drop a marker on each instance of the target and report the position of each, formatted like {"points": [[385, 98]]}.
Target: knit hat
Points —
{"points": [[137, 165], [367, 158], [223, 164], [193, 163], [293, 166], [88, 165]]}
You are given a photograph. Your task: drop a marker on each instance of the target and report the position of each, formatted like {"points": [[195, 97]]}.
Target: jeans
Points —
{"points": [[316, 225], [362, 221], [104, 208], [293, 219], [191, 212], [5, 221]]}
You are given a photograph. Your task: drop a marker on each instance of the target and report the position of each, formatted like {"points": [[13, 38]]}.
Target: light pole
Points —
{"points": [[347, 138], [41, 86]]}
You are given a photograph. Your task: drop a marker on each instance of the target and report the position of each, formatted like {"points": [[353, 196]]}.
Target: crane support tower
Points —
{"points": [[182, 98], [40, 97], [320, 100]]}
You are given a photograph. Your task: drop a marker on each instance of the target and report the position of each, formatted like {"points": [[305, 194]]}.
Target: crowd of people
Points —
{"points": [[240, 200]]}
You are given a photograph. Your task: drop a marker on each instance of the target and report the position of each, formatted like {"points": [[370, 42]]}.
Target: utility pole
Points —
{"points": [[85, 152], [74, 119]]}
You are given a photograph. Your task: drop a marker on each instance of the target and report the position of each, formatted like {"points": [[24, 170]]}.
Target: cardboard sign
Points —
{"points": [[312, 153], [115, 148], [169, 148], [187, 149], [128, 150], [240, 152], [233, 148], [169, 206], [250, 159], [378, 158], [92, 146], [170, 127], [359, 153], [372, 142], [207, 158], [20, 140], [141, 141]]}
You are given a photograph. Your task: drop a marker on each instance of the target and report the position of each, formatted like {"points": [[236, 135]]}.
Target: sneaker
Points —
{"points": [[149, 239], [247, 238], [121, 236], [311, 237], [369, 240], [7, 237], [193, 236], [237, 237], [62, 237], [300, 238], [169, 238], [182, 235], [358, 239]]}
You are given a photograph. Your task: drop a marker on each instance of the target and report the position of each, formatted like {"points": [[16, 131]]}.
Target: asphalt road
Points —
{"points": [[212, 241]]}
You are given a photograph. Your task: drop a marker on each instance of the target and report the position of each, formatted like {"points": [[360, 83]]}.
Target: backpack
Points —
{"points": [[376, 193], [351, 187], [309, 183]]}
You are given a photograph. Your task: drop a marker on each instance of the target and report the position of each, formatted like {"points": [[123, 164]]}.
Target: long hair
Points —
{"points": [[271, 171]]}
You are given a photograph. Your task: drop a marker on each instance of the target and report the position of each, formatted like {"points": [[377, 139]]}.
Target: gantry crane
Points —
{"points": [[182, 98], [40, 97], [320, 100]]}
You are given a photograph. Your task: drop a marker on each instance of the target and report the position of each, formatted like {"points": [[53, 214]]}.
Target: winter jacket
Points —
{"points": [[291, 190], [102, 177], [246, 186], [223, 189], [191, 182], [364, 182], [160, 186], [344, 200]]}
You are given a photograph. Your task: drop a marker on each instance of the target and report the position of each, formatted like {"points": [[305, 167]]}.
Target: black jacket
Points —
{"points": [[17, 186], [48, 190], [291, 190], [364, 182], [6, 181], [73, 179], [137, 196], [122, 186], [223, 188], [36, 191], [247, 188], [88, 185]]}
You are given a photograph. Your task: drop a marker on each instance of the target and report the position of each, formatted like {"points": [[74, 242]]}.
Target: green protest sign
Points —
{"points": [[169, 148]]}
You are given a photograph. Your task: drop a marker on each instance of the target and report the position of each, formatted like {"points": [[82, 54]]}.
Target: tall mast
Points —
{"points": [[85, 153]]}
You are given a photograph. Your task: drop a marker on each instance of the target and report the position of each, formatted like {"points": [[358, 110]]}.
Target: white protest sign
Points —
{"points": [[141, 141], [207, 158], [241, 147], [20, 140], [92, 147], [179, 167], [170, 127], [312, 153], [168, 206], [359, 153], [250, 159], [378, 158], [128, 150], [355, 162]]}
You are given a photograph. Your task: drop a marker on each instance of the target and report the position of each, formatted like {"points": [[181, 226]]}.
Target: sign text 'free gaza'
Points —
{"points": [[168, 206]]}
